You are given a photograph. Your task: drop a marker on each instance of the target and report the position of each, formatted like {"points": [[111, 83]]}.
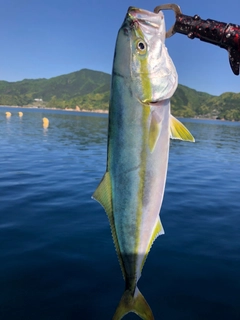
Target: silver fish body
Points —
{"points": [[140, 125]]}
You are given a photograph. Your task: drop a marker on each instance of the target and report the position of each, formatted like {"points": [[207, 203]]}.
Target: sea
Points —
{"points": [[57, 258]]}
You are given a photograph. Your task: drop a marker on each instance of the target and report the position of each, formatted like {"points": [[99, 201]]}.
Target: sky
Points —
{"points": [[47, 38]]}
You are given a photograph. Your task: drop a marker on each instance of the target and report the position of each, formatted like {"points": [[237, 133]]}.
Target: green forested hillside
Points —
{"points": [[226, 106], [188, 102], [90, 90], [63, 87]]}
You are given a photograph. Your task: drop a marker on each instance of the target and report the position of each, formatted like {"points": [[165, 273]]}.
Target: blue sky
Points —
{"points": [[47, 38]]}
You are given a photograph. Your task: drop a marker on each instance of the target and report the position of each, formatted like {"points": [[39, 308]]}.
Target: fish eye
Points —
{"points": [[141, 46]]}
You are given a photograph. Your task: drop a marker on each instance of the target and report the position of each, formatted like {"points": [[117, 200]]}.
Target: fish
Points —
{"points": [[140, 125]]}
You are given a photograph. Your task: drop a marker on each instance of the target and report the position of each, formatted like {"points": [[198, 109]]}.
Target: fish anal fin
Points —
{"points": [[103, 194], [179, 131], [154, 130], [136, 304], [157, 231]]}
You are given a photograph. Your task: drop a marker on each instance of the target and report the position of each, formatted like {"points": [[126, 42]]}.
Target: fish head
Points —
{"points": [[141, 56]]}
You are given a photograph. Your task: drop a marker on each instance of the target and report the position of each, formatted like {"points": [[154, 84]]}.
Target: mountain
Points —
{"points": [[90, 90], [63, 87]]}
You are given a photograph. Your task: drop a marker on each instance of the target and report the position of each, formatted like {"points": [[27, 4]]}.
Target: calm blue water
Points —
{"points": [[57, 259]]}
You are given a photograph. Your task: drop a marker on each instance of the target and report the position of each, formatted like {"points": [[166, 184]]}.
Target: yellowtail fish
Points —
{"points": [[140, 126]]}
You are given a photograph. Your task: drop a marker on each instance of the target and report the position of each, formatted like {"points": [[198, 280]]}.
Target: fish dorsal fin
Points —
{"points": [[157, 231], [179, 131], [103, 194], [154, 130]]}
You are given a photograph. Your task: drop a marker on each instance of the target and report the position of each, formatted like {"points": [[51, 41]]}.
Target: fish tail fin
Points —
{"points": [[136, 304]]}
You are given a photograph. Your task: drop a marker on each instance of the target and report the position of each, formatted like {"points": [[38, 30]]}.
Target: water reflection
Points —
{"points": [[45, 132], [51, 224], [218, 140], [82, 129]]}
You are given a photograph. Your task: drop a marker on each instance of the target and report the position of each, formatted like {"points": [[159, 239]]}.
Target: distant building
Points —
{"points": [[39, 100]]}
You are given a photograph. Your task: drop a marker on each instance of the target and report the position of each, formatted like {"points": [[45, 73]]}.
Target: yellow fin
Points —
{"points": [[154, 131], [157, 231], [103, 194], [136, 304], [179, 131]]}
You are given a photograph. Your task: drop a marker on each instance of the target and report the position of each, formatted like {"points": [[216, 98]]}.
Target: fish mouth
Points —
{"points": [[144, 17], [143, 21]]}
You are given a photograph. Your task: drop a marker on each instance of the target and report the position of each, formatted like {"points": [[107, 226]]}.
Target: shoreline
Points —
{"points": [[101, 111], [59, 109]]}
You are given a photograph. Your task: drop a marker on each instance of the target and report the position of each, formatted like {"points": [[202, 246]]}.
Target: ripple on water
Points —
{"points": [[58, 259]]}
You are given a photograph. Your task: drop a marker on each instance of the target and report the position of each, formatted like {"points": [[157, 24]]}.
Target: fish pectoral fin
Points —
{"points": [[103, 194], [136, 304], [179, 131], [154, 130]]}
